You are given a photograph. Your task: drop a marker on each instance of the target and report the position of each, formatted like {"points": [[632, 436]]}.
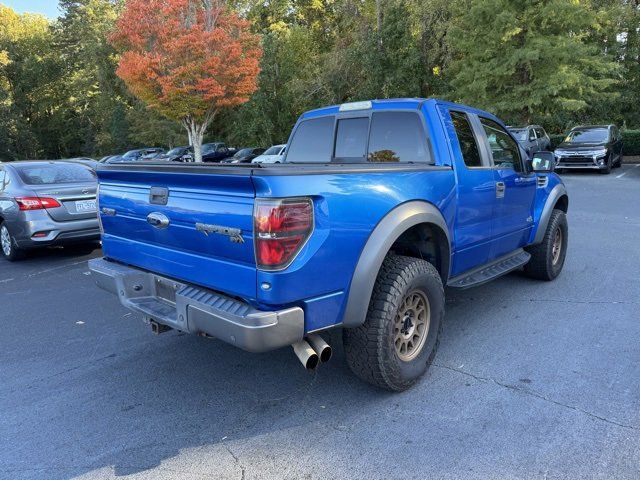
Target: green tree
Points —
{"points": [[528, 59]]}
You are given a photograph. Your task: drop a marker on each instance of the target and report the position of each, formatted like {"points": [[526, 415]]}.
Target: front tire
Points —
{"points": [[607, 169], [8, 244], [547, 258], [399, 338]]}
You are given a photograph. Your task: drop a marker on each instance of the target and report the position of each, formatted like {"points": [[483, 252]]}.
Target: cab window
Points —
{"points": [[466, 139]]}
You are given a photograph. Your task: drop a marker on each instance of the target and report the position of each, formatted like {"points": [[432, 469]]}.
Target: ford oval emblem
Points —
{"points": [[158, 220]]}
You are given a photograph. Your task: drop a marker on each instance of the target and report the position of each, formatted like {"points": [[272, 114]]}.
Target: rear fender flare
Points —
{"points": [[388, 230]]}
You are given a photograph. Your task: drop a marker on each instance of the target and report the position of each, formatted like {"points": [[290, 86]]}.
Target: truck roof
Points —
{"points": [[389, 103]]}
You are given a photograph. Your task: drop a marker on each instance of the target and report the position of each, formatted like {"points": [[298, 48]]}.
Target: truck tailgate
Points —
{"points": [[204, 208]]}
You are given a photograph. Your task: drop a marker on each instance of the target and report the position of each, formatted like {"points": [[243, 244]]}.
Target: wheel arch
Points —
{"points": [[415, 228], [557, 198]]}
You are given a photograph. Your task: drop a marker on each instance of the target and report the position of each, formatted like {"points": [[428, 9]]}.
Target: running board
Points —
{"points": [[489, 271]]}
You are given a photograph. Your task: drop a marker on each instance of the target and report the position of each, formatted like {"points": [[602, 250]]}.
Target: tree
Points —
{"points": [[528, 59], [187, 59]]}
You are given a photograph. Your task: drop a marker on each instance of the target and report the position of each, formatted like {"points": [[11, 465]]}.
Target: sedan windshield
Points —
{"points": [[243, 153], [275, 150], [593, 135], [177, 151], [520, 134], [53, 174]]}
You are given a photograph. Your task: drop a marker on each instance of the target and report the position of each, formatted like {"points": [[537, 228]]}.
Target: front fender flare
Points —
{"points": [[556, 193], [388, 230]]}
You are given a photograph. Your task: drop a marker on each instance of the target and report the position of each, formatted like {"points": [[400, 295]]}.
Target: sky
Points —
{"points": [[46, 7]]}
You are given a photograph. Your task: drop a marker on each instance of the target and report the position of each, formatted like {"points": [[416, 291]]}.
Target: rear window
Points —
{"points": [[53, 174], [351, 138], [397, 137], [392, 137], [312, 141]]}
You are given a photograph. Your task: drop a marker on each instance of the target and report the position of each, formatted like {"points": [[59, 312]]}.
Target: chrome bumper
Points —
{"points": [[193, 309]]}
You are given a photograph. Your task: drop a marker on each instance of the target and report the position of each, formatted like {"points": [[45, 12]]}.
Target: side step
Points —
{"points": [[489, 271]]}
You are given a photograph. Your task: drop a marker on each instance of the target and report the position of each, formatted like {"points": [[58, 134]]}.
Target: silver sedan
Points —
{"points": [[46, 203]]}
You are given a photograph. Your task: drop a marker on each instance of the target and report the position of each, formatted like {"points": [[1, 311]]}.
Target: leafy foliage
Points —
{"points": [[554, 62]]}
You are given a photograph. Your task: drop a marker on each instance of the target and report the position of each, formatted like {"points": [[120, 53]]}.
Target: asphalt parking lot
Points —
{"points": [[532, 380]]}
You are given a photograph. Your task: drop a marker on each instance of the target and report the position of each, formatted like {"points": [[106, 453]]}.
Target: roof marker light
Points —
{"points": [[346, 107]]}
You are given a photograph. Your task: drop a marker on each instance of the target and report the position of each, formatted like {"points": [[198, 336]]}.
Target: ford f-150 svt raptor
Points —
{"points": [[377, 206]]}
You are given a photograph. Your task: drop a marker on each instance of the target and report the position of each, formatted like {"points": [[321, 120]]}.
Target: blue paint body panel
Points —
{"points": [[348, 204]]}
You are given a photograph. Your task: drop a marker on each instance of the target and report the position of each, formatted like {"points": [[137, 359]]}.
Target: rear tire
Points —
{"points": [[8, 247], [547, 258], [399, 338]]}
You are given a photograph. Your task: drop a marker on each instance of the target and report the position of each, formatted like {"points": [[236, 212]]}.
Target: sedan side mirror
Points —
{"points": [[543, 162]]}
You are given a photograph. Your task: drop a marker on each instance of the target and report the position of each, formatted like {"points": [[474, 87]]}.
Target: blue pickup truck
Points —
{"points": [[377, 207]]}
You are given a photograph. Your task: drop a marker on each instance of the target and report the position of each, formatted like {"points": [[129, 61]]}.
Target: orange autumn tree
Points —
{"points": [[187, 59]]}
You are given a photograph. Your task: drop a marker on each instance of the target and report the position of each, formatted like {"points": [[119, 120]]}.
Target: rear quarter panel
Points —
{"points": [[347, 207]]}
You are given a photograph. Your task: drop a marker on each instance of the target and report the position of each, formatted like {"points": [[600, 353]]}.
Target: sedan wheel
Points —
{"points": [[9, 250]]}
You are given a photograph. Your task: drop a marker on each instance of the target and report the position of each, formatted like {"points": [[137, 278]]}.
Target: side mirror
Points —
{"points": [[543, 162]]}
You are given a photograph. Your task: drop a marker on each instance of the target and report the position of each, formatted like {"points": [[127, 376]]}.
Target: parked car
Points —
{"points": [[533, 138], [596, 147], [110, 159], [215, 152], [273, 154], [244, 155], [137, 155], [89, 162], [178, 154], [46, 203], [368, 218]]}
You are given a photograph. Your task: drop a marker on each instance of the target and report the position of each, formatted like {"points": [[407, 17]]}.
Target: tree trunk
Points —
{"points": [[196, 130]]}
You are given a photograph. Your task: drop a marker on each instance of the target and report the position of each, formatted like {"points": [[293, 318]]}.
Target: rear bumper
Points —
{"points": [[197, 310], [56, 233]]}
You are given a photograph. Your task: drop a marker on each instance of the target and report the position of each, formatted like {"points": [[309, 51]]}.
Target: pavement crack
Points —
{"points": [[534, 394], [236, 459]]}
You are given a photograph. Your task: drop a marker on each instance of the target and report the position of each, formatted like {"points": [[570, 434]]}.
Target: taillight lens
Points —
{"points": [[36, 203], [281, 229]]}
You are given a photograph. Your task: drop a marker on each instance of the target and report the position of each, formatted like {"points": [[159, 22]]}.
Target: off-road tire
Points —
{"points": [[370, 350], [541, 265], [15, 253]]}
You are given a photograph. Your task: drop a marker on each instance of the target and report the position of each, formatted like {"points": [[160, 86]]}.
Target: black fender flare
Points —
{"points": [[388, 230], [556, 194]]}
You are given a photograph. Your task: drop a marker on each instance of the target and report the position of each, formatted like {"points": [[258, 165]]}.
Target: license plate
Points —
{"points": [[85, 206]]}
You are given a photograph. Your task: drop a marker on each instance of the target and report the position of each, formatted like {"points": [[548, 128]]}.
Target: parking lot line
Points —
{"points": [[627, 171]]}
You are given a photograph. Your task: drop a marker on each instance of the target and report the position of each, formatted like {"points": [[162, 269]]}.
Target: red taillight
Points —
{"points": [[36, 203], [281, 229]]}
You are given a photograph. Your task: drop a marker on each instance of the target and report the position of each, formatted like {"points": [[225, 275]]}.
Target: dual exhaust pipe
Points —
{"points": [[312, 351]]}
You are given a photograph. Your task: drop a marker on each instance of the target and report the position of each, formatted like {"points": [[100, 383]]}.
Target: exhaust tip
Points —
{"points": [[322, 348], [312, 362], [307, 356]]}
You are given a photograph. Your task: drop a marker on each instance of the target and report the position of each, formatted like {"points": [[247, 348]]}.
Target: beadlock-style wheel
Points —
{"points": [[412, 325]]}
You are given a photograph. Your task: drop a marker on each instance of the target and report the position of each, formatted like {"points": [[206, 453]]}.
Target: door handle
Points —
{"points": [[500, 188]]}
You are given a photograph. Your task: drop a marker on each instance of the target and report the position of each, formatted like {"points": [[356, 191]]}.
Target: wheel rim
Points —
{"points": [[5, 239], [556, 248], [411, 326]]}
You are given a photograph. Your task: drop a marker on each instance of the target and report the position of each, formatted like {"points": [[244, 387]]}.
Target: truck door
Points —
{"points": [[515, 189], [476, 194]]}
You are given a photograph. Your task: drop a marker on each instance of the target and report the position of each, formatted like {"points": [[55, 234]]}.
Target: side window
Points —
{"points": [[466, 139], [2, 180], [540, 133], [504, 149], [397, 137], [351, 138], [532, 134], [312, 141]]}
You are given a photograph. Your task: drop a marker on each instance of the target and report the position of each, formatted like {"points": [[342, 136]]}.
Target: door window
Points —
{"points": [[540, 133], [532, 135], [466, 139], [504, 149]]}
